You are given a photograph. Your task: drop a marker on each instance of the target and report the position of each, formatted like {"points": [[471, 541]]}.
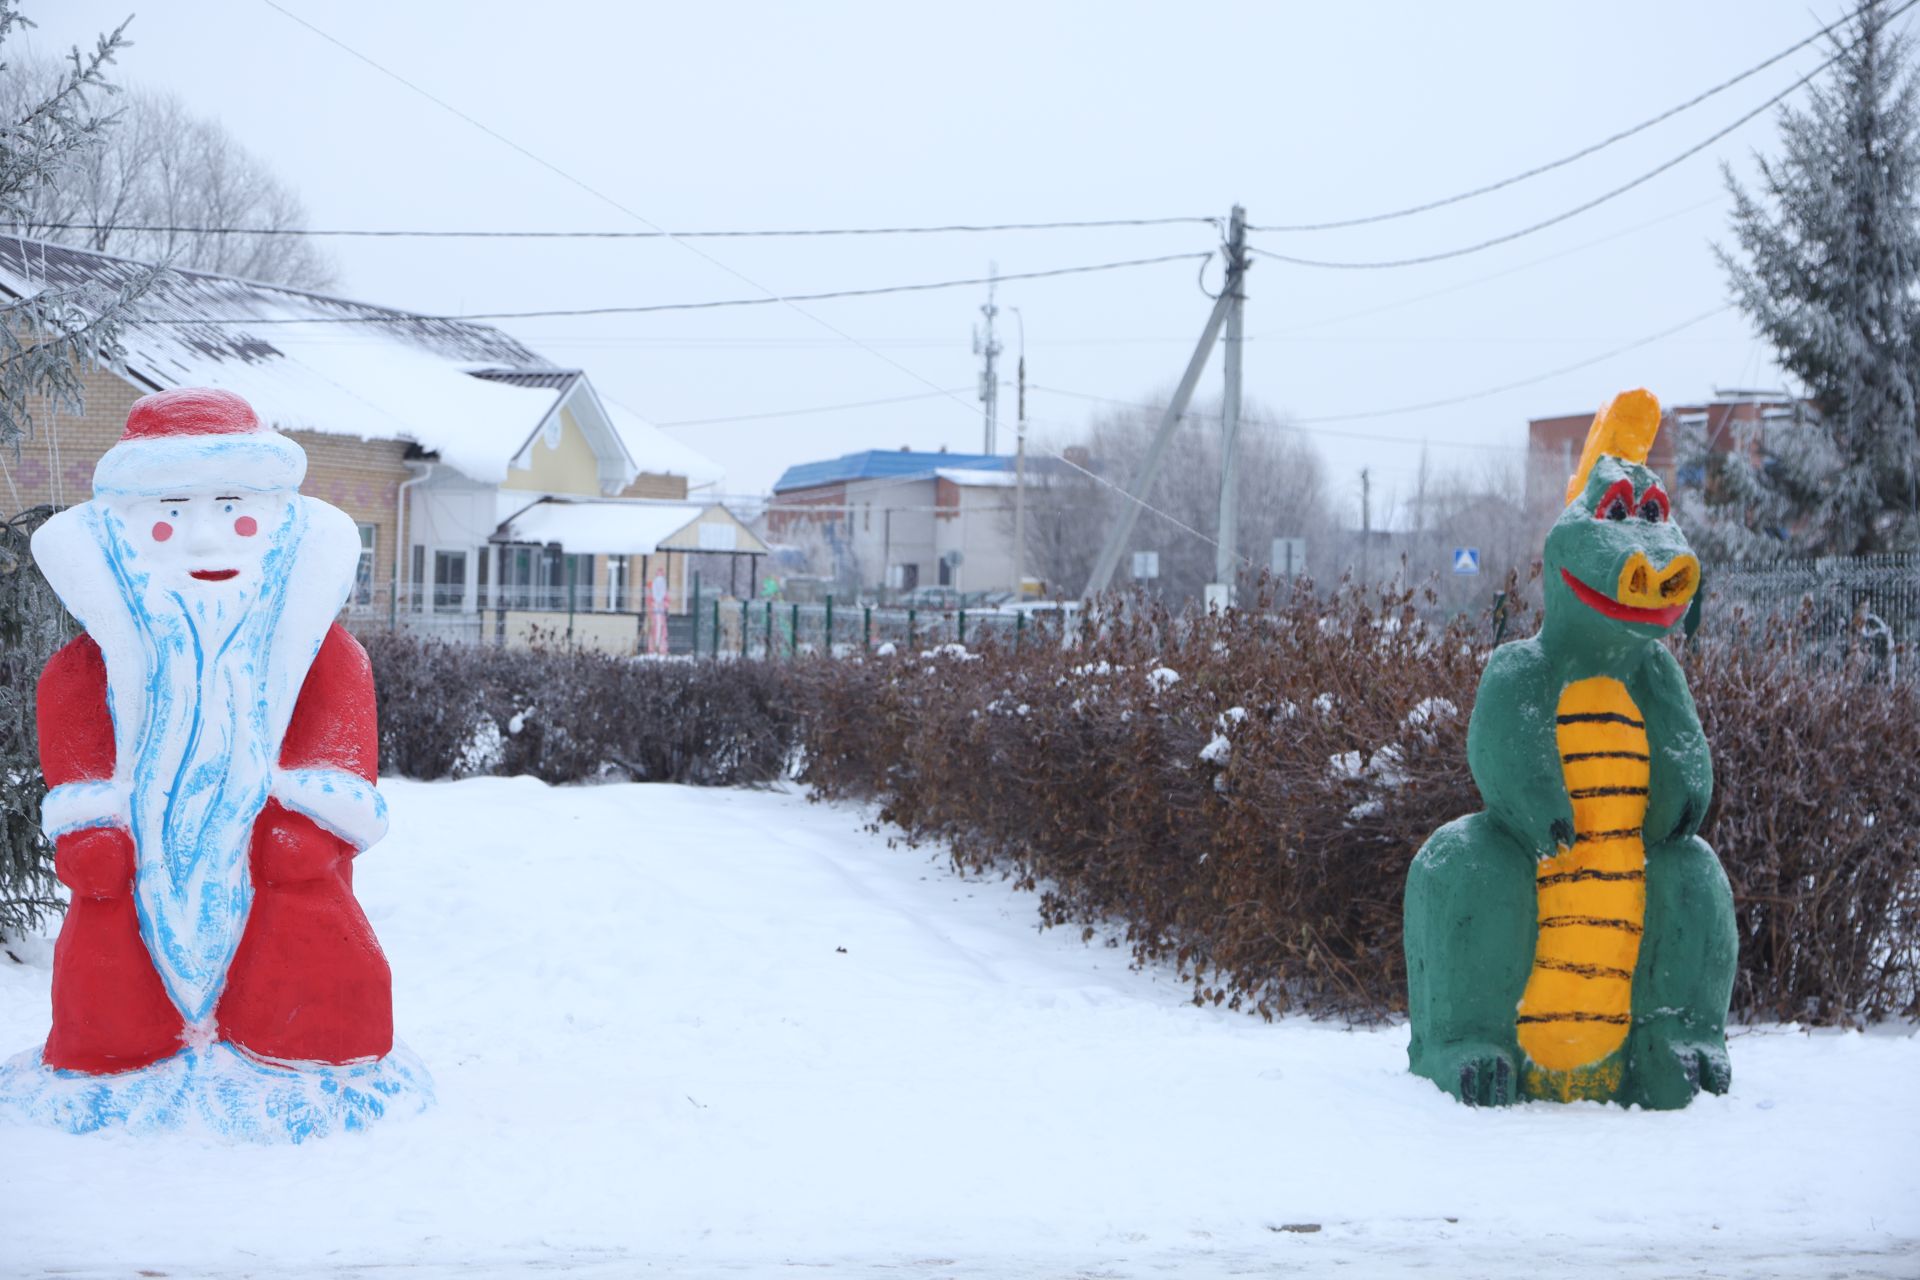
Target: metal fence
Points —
{"points": [[1833, 607], [709, 626], [783, 629]]}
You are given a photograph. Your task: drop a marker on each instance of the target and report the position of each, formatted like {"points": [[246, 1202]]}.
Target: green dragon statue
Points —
{"points": [[1575, 939]]}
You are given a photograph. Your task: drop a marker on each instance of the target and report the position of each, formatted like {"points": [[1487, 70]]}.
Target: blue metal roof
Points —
{"points": [[876, 464]]}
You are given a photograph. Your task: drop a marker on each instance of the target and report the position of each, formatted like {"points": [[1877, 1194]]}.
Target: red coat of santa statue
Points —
{"points": [[210, 749]]}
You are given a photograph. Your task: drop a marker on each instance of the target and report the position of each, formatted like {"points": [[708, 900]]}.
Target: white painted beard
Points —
{"points": [[200, 775], [198, 761]]}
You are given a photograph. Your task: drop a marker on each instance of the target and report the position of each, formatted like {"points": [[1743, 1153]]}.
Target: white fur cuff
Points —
{"points": [[74, 806], [343, 803]]}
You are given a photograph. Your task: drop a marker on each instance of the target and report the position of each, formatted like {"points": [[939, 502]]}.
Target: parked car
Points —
{"points": [[929, 597], [951, 598]]}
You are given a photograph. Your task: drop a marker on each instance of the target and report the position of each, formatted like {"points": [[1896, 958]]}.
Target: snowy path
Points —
{"points": [[654, 1058]]}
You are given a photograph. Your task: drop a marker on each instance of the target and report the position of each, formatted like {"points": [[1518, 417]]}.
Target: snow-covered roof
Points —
{"points": [[616, 527], [875, 464], [970, 478], [307, 361], [657, 452]]}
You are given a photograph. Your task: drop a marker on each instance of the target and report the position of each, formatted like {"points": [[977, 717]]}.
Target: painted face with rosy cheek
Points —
{"points": [[199, 536]]}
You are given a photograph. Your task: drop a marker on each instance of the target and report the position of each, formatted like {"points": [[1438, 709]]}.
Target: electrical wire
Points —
{"points": [[795, 413], [1373, 437], [1594, 203], [691, 248], [1289, 424], [1315, 425], [408, 317], [1556, 219], [1491, 276], [1523, 382], [763, 233], [1581, 154]]}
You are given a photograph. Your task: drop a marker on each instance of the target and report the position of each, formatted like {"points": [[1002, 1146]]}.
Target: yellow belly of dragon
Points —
{"points": [[1578, 1005]]}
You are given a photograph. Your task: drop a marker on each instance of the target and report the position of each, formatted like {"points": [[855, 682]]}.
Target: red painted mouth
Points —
{"points": [[1624, 612], [215, 575]]}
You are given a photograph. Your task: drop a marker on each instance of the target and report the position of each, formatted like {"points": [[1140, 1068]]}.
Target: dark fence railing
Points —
{"points": [[1833, 609]]}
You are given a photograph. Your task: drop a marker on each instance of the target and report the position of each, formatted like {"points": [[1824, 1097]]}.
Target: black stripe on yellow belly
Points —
{"points": [[1577, 1008]]}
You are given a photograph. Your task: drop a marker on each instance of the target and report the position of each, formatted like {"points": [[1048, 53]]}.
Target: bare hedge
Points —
{"points": [[1241, 795], [561, 715], [1237, 795]]}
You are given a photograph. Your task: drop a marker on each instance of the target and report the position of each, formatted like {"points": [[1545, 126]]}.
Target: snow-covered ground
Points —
{"points": [[721, 1033]]}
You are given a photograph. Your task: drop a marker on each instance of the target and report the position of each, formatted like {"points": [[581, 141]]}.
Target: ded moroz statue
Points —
{"points": [[210, 749]]}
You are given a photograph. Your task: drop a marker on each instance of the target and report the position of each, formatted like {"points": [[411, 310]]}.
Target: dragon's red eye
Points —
{"points": [[1654, 506], [1616, 503]]}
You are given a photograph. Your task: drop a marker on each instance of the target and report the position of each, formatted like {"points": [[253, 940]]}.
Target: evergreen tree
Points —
{"points": [[46, 340], [48, 337], [1830, 245]]}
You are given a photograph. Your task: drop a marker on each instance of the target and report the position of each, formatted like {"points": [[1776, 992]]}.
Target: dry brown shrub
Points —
{"points": [[1271, 874], [568, 715]]}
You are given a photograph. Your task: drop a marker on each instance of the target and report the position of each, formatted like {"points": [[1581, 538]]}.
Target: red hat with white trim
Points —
{"points": [[192, 437]]}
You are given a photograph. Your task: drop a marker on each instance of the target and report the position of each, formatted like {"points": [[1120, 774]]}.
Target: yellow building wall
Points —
{"points": [[568, 466]]}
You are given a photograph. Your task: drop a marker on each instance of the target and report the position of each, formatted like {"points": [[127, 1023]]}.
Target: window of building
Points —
{"points": [[562, 581], [449, 580], [363, 572], [617, 583], [517, 574], [582, 583], [417, 579], [483, 559]]}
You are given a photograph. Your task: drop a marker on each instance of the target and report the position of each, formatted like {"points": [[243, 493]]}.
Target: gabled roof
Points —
{"points": [[624, 527], [560, 380], [876, 464], [465, 391]]}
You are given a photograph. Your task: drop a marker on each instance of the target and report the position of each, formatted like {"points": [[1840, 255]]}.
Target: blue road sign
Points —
{"points": [[1466, 559]]}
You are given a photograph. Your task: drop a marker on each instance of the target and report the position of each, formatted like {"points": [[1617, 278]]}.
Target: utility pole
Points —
{"points": [[1366, 527], [1226, 557], [1020, 471], [1149, 469], [985, 345]]}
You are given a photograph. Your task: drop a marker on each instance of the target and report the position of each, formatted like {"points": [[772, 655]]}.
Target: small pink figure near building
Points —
{"points": [[659, 601]]}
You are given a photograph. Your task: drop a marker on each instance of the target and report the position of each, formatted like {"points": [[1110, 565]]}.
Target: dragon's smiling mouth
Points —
{"points": [[214, 575], [1663, 617]]}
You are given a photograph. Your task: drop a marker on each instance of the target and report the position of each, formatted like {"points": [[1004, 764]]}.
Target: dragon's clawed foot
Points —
{"points": [[1675, 1069], [1480, 1075]]}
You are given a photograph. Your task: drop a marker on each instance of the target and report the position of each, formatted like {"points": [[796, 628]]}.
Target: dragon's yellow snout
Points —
{"points": [[1642, 586]]}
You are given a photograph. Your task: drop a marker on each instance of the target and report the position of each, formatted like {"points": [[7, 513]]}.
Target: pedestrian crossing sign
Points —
{"points": [[1466, 559]]}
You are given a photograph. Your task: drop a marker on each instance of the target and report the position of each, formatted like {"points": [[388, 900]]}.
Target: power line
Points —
{"points": [[824, 408], [1558, 218], [368, 233], [1311, 426], [609, 200], [1581, 154], [1594, 203], [407, 317], [1283, 426], [1491, 276], [1523, 382]]}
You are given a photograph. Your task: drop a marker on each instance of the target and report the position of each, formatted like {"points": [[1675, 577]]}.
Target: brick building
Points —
{"points": [[432, 434], [898, 519], [1553, 444]]}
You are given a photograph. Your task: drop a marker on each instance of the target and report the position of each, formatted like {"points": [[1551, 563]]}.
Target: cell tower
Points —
{"points": [[986, 345]]}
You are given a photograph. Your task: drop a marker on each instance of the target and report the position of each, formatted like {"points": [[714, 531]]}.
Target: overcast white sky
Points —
{"points": [[718, 115]]}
